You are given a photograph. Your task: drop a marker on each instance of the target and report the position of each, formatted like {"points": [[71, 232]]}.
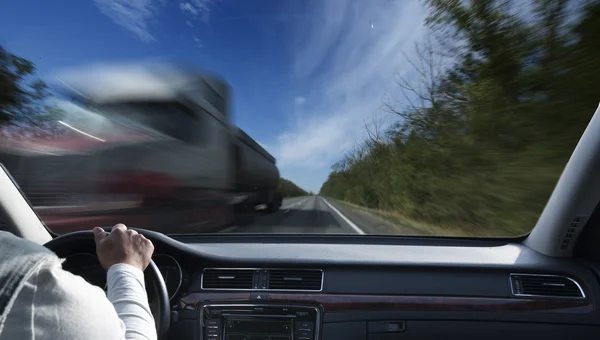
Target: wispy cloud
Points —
{"points": [[299, 100], [189, 23], [198, 42], [198, 9], [348, 57], [187, 7], [133, 15]]}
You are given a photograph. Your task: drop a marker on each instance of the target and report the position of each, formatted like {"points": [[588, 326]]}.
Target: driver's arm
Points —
{"points": [[65, 306], [55, 304], [125, 254], [127, 294]]}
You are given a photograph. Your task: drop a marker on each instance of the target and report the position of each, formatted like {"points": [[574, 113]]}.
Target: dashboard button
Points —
{"points": [[213, 322], [304, 334], [259, 296], [304, 325]]}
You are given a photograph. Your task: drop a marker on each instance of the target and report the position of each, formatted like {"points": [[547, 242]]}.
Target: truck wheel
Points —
{"points": [[275, 204]]}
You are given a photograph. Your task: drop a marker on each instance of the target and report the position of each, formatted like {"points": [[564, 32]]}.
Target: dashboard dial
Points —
{"points": [[171, 272]]}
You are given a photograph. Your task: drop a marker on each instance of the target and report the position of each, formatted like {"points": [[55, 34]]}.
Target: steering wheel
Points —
{"points": [[83, 241]]}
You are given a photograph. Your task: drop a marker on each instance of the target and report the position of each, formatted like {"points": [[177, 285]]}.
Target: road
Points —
{"points": [[298, 215], [317, 215]]}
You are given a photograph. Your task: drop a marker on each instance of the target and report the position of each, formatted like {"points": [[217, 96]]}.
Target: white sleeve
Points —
{"points": [[64, 306], [127, 292]]}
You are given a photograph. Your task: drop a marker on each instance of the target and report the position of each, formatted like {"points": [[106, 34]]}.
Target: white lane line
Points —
{"points": [[299, 202], [295, 204], [287, 205], [230, 229], [352, 225]]}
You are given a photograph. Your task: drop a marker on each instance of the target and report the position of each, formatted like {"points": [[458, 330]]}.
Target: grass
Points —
{"points": [[427, 229]]}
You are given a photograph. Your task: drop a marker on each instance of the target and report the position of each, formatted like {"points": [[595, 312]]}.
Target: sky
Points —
{"points": [[306, 75]]}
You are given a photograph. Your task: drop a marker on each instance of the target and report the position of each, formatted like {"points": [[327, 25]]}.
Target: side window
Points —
{"points": [[171, 119], [181, 123]]}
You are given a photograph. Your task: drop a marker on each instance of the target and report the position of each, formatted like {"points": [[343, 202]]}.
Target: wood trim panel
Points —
{"points": [[351, 302]]}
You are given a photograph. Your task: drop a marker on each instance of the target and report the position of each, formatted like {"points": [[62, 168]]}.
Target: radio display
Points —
{"points": [[258, 326]]}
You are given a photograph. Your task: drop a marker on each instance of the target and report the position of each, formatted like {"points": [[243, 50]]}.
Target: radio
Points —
{"points": [[259, 322]]}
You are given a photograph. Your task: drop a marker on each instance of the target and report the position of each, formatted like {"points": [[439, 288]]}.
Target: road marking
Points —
{"points": [[299, 203], [232, 228], [352, 225], [295, 204]]}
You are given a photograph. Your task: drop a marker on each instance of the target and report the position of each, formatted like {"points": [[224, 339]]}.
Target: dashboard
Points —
{"points": [[290, 288]]}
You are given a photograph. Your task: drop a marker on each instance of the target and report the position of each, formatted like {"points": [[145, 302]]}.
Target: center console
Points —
{"points": [[259, 322]]}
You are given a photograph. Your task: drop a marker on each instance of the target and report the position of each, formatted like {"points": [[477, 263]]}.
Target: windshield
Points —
{"points": [[428, 118]]}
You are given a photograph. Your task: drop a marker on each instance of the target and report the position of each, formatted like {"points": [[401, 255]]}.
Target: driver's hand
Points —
{"points": [[122, 245]]}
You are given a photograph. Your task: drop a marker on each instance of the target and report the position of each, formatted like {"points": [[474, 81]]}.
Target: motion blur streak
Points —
{"points": [[168, 154]]}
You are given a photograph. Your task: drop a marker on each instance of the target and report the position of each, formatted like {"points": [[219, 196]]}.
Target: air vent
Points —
{"points": [[296, 279], [227, 278], [545, 285]]}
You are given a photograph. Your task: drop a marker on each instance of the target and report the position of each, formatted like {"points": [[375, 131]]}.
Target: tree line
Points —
{"points": [[503, 92], [289, 189]]}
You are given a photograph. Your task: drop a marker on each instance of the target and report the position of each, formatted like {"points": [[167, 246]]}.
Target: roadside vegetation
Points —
{"points": [[290, 189], [502, 91]]}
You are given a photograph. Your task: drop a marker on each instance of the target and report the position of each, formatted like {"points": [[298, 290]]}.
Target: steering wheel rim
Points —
{"points": [[63, 246]]}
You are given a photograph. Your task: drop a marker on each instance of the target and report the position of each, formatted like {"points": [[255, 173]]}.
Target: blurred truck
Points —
{"points": [[151, 141]]}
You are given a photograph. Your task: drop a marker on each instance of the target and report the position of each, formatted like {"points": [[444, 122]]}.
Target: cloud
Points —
{"points": [[199, 9], [198, 42], [188, 7], [133, 15], [299, 100], [189, 23], [347, 53]]}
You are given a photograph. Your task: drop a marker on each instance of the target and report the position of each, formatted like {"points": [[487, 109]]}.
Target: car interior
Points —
{"points": [[309, 287]]}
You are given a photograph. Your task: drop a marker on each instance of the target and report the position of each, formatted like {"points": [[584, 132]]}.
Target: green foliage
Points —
{"points": [[482, 142], [22, 98], [288, 189]]}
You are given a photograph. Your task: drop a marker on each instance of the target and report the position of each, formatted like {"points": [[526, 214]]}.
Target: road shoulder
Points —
{"points": [[370, 223]]}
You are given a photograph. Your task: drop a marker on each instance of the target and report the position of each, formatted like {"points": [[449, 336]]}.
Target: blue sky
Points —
{"points": [[307, 75]]}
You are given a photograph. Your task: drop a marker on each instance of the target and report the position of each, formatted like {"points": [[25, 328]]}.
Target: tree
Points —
{"points": [[289, 189], [490, 121], [22, 98]]}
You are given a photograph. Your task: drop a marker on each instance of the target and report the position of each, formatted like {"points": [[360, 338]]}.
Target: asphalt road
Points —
{"points": [[317, 215]]}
